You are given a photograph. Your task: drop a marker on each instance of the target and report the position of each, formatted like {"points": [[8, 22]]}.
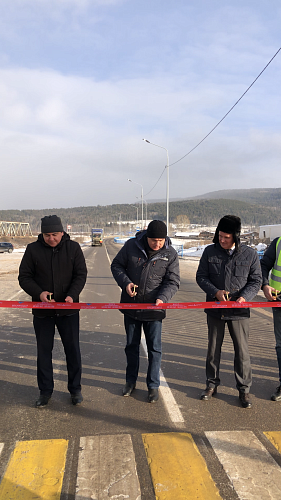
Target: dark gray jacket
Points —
{"points": [[239, 274], [60, 270], [157, 277]]}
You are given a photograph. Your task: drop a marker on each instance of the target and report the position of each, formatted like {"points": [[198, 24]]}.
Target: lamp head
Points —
{"points": [[146, 141]]}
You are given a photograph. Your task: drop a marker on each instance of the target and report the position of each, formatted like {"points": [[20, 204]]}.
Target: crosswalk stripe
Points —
{"points": [[35, 470], [177, 468], [251, 469], [107, 468], [275, 439]]}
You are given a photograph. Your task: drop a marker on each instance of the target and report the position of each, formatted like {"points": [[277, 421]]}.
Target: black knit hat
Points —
{"points": [[51, 224], [156, 229], [229, 224]]}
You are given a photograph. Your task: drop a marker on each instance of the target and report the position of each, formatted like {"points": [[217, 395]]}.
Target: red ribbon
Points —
{"points": [[13, 304]]}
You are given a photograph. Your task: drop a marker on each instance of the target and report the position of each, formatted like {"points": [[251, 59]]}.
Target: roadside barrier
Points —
{"points": [[13, 304]]}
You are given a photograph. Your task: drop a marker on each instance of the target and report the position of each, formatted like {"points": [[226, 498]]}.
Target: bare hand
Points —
{"points": [[221, 295], [69, 299], [158, 302], [267, 290], [131, 289], [46, 297], [240, 300]]}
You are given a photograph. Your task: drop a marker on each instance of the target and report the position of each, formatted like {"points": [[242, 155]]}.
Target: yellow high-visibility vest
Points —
{"points": [[275, 279]]}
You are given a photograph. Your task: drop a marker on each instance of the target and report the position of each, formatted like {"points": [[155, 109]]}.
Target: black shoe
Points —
{"points": [[245, 400], [76, 399], [42, 401], [128, 389], [153, 395], [277, 394], [208, 393]]}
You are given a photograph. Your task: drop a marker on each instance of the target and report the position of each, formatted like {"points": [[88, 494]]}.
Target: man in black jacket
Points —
{"points": [[147, 271], [229, 271], [53, 269]]}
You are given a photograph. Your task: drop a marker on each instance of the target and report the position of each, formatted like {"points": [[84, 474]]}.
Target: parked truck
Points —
{"points": [[97, 234]]}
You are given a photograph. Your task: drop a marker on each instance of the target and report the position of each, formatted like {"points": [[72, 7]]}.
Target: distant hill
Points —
{"points": [[262, 196], [255, 207]]}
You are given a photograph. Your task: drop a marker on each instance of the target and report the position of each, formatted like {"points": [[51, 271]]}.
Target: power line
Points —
{"points": [[156, 182], [204, 138], [228, 111]]}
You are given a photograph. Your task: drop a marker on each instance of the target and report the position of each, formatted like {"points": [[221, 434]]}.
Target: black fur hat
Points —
{"points": [[229, 224]]}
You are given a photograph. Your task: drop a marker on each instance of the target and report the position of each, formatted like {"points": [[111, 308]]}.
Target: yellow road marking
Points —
{"points": [[35, 471], [275, 439], [177, 469]]}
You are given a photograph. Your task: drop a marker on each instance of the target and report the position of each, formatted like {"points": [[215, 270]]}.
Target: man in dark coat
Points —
{"points": [[53, 269], [147, 271], [271, 287], [229, 271]]}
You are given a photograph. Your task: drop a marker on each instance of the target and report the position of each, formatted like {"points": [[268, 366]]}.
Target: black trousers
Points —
{"points": [[68, 328], [239, 332]]}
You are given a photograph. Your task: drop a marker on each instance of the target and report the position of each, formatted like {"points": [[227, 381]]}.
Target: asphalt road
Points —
{"points": [[104, 411]]}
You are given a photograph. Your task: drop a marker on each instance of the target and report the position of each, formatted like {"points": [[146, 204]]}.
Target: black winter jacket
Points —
{"points": [[60, 270], [267, 261], [157, 277], [239, 274]]}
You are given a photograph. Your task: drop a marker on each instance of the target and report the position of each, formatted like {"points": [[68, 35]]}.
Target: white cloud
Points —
{"points": [[82, 82], [65, 138]]}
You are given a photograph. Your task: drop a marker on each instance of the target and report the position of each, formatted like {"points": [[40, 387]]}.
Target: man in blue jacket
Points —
{"points": [[229, 271], [147, 271], [53, 269]]}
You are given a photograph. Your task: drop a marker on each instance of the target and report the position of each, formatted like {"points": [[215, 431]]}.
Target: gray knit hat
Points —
{"points": [[51, 224]]}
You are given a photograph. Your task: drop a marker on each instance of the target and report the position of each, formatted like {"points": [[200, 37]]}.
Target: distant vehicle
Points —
{"points": [[6, 247], [97, 235]]}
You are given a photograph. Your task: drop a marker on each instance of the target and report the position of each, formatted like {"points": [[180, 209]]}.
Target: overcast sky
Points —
{"points": [[83, 81]]}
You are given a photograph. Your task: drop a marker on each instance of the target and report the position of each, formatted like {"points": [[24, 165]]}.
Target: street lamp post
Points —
{"points": [[137, 213], [167, 167], [141, 200], [145, 210]]}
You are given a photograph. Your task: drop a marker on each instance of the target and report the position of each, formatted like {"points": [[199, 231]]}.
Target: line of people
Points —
{"points": [[147, 271]]}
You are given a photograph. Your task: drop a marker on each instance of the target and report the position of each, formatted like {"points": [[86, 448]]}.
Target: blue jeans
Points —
{"points": [[277, 333], [152, 331]]}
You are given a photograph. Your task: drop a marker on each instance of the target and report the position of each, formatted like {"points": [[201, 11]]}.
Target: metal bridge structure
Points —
{"points": [[15, 229]]}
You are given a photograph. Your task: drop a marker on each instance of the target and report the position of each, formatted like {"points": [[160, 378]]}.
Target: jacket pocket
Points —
{"points": [[242, 269], [215, 265]]}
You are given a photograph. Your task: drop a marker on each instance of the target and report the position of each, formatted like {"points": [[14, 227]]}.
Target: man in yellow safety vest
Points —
{"points": [[271, 287]]}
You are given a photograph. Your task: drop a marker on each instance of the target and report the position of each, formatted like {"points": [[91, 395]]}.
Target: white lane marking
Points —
{"points": [[167, 395], [251, 469], [107, 468], [107, 254], [1, 447], [15, 295]]}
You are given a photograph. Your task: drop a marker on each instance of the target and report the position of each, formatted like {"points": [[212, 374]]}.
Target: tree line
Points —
{"points": [[198, 211]]}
